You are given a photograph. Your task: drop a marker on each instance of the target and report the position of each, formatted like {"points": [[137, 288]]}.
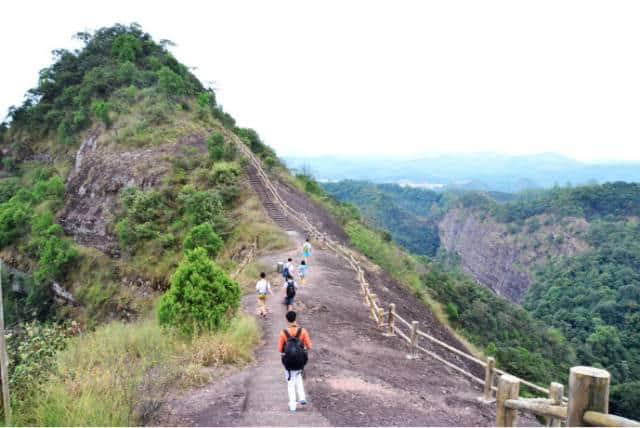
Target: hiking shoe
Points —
{"points": [[303, 402]]}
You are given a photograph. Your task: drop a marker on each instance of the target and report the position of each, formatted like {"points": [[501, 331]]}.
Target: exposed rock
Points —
{"points": [[101, 171], [62, 294], [503, 261]]}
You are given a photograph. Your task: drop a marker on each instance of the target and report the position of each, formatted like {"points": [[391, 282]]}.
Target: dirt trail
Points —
{"points": [[355, 375]]}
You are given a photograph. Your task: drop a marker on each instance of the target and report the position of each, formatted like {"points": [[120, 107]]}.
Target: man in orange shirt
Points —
{"points": [[293, 345]]}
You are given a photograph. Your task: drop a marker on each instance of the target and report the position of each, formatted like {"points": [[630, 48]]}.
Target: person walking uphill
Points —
{"points": [[293, 345], [263, 288], [287, 269], [306, 250], [290, 287]]}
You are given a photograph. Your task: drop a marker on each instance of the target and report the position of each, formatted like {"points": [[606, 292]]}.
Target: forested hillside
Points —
{"points": [[578, 248], [119, 185], [409, 214]]}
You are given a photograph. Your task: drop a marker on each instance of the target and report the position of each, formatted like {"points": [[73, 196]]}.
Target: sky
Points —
{"points": [[396, 78]]}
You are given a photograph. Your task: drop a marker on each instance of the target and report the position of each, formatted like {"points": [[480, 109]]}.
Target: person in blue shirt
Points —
{"points": [[302, 271]]}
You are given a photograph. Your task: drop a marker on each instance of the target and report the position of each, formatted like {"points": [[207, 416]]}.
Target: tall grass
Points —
{"points": [[120, 374]]}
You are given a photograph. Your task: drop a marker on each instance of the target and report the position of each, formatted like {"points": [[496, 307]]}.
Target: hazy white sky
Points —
{"points": [[372, 77]]}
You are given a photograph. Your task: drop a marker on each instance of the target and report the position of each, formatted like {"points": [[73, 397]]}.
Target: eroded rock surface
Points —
{"points": [[101, 170], [503, 261]]}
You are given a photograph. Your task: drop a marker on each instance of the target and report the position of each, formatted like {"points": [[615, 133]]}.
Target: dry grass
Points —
{"points": [[120, 373]]}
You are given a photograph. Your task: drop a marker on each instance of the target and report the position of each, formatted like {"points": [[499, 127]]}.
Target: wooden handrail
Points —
{"points": [[452, 366], [537, 407], [598, 419], [452, 349]]}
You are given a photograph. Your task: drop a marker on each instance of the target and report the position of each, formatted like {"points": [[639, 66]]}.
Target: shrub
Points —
{"points": [[452, 311], [32, 356], [14, 217], [224, 173], [203, 236], [101, 110], [204, 104], [64, 133], [202, 206], [127, 72], [53, 188], [215, 144], [170, 83], [201, 297], [55, 256], [9, 164], [8, 187]]}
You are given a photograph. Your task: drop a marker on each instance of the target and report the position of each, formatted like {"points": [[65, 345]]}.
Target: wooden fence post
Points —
{"points": [[413, 354], [556, 391], [489, 374], [588, 390], [391, 320], [372, 309], [508, 388], [380, 318], [4, 371]]}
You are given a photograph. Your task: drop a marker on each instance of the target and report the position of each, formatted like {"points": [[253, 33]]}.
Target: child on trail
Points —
{"points": [[306, 249], [302, 271], [290, 292], [287, 270], [293, 345], [263, 288]]}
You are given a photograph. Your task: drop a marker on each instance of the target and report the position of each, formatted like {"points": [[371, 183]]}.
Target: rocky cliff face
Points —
{"points": [[503, 259], [100, 171]]}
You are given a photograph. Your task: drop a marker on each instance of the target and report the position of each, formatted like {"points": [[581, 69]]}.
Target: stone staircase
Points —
{"points": [[274, 210]]}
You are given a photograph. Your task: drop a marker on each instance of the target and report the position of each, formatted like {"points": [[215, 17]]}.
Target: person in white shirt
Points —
{"points": [[287, 269], [263, 288]]}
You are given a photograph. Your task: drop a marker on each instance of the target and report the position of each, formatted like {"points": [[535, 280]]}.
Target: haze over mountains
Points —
{"points": [[479, 171]]}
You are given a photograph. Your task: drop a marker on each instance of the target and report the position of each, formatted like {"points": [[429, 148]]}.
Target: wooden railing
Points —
{"points": [[245, 260], [588, 403], [556, 407]]}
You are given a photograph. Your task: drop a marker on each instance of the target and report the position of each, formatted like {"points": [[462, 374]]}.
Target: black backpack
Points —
{"points": [[295, 356], [291, 289], [285, 272]]}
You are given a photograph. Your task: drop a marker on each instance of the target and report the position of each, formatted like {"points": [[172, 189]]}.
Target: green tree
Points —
{"points": [[203, 236], [170, 82], [126, 47], [201, 295]]}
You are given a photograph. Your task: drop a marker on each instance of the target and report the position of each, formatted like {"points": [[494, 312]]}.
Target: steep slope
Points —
{"points": [[503, 261]]}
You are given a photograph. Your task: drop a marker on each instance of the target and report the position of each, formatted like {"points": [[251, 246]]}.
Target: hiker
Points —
{"points": [[306, 249], [302, 271], [287, 270], [263, 288], [293, 345], [290, 292]]}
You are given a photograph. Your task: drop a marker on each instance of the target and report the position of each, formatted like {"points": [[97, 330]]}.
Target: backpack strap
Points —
{"points": [[286, 333], [298, 333]]}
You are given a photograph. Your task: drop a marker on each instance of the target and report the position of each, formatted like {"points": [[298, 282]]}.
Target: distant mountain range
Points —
{"points": [[480, 171]]}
